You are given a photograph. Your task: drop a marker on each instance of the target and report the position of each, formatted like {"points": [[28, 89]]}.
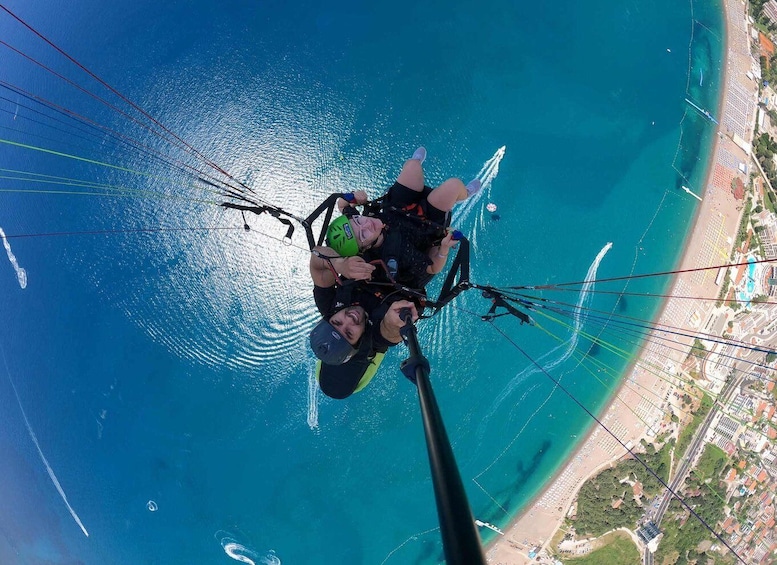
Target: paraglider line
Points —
{"points": [[645, 275]]}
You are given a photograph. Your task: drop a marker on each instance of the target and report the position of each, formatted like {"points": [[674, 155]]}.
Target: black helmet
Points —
{"points": [[329, 345]]}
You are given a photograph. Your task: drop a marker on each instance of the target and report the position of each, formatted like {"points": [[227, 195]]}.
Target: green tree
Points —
{"points": [[698, 350]]}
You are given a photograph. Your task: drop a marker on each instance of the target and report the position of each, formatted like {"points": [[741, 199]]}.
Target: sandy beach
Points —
{"points": [[638, 407]]}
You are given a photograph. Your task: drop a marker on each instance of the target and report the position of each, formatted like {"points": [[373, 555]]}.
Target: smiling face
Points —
{"points": [[350, 323], [368, 231]]}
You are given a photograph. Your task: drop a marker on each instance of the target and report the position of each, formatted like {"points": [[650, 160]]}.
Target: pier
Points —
{"points": [[703, 112]]}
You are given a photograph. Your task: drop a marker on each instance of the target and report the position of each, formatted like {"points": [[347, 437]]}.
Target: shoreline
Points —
{"points": [[541, 518]]}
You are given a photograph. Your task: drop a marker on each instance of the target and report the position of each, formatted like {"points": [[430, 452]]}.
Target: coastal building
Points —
{"points": [[760, 552], [768, 98], [740, 406], [770, 242], [648, 532], [770, 11], [769, 459], [771, 281], [727, 428], [719, 364]]}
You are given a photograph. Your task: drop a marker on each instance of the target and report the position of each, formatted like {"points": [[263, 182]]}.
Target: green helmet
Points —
{"points": [[340, 237]]}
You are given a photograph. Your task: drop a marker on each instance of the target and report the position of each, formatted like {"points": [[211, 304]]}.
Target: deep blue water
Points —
{"points": [[172, 366]]}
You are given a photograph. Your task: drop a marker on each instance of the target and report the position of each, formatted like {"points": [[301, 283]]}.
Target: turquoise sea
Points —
{"points": [[155, 385]]}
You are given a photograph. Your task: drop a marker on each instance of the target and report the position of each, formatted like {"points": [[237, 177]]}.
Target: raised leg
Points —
{"points": [[447, 194], [412, 174]]}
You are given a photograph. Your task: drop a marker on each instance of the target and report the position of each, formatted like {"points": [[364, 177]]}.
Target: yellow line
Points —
{"points": [[722, 248], [717, 246]]}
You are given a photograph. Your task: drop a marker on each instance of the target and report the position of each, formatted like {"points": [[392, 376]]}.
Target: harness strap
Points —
{"points": [[456, 280]]}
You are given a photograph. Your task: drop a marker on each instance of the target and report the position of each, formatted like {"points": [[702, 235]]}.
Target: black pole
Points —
{"points": [[460, 539]]}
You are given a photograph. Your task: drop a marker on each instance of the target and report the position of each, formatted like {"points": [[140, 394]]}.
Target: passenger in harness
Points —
{"points": [[407, 229]]}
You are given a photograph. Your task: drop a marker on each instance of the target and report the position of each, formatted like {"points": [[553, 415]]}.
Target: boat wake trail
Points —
{"points": [[21, 274], [243, 554], [312, 398], [486, 175], [566, 348], [50, 471]]}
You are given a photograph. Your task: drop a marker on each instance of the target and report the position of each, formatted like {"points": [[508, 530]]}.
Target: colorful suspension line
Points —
{"points": [[640, 276], [675, 296], [536, 300], [115, 232], [134, 106], [124, 140], [628, 322], [583, 359], [498, 301], [604, 323], [104, 164], [103, 190]]}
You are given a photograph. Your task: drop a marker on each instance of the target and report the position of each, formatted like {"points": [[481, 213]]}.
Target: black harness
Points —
{"points": [[428, 234], [407, 238]]}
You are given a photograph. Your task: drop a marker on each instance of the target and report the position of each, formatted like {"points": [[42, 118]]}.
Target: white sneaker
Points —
{"points": [[473, 187]]}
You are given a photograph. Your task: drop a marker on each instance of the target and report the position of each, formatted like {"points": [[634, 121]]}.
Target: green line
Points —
{"points": [[60, 180], [33, 177], [656, 371], [625, 355], [86, 183], [107, 187], [94, 162], [108, 194], [76, 182], [69, 156], [703, 480], [610, 371]]}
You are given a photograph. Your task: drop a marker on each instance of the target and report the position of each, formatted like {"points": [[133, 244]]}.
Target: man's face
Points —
{"points": [[350, 322], [367, 230]]}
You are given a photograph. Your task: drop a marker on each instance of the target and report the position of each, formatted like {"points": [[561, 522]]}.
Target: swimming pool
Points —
{"points": [[746, 295]]}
